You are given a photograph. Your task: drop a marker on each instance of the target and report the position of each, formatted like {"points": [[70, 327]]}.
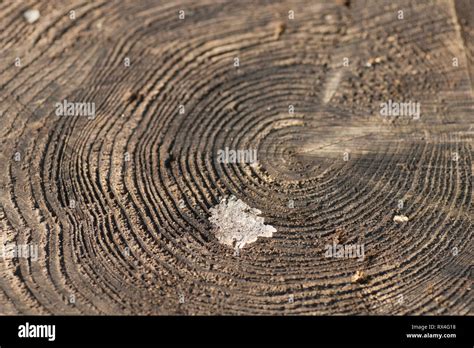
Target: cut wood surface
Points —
{"points": [[118, 203]]}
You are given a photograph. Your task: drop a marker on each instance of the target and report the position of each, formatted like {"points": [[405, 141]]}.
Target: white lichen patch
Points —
{"points": [[31, 16], [400, 218], [237, 224]]}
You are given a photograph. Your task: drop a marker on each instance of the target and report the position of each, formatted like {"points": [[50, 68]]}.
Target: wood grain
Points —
{"points": [[143, 176]]}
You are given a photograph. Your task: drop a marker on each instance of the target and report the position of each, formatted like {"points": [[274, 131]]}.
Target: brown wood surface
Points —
{"points": [[138, 239]]}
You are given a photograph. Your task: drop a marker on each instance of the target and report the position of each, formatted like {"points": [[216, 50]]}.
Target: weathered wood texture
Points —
{"points": [[143, 176]]}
